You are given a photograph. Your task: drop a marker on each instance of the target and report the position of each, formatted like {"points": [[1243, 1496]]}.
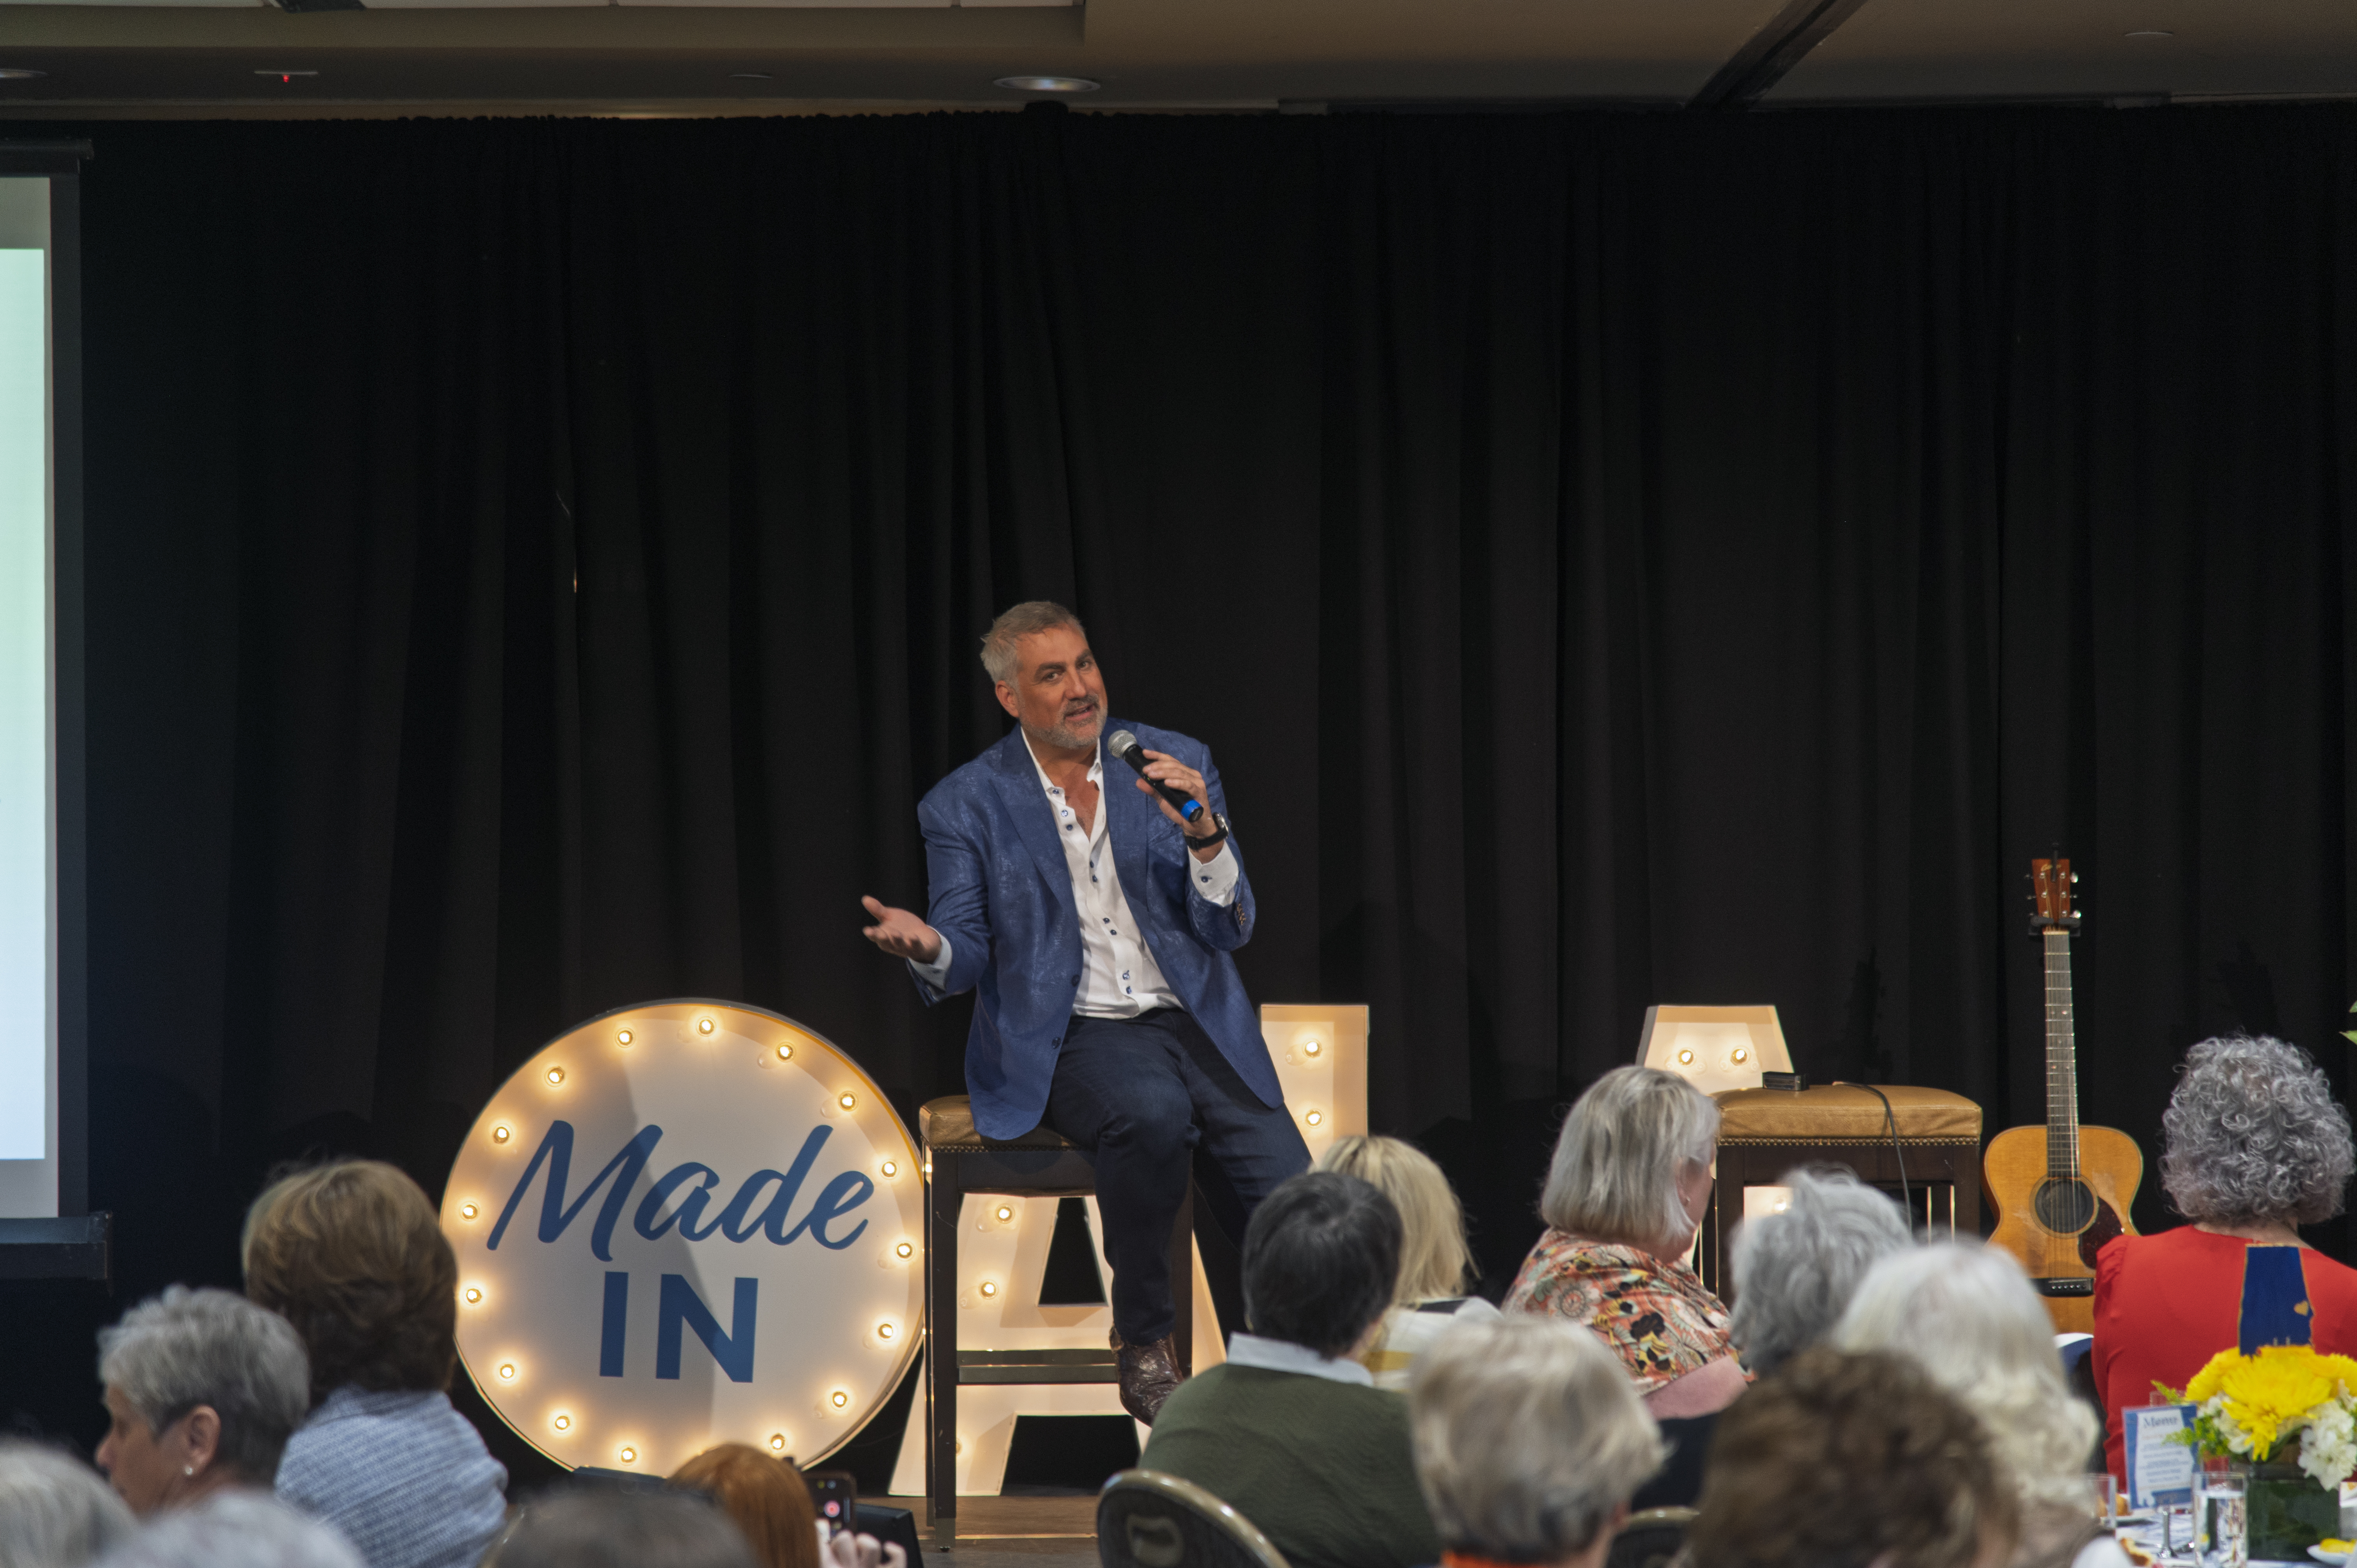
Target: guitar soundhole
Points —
{"points": [[2066, 1207]]}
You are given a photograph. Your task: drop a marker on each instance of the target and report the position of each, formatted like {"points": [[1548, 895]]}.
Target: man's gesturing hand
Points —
{"points": [[900, 933]]}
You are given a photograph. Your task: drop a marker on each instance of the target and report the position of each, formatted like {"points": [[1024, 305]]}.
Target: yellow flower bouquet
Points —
{"points": [[2249, 1406], [2253, 1408]]}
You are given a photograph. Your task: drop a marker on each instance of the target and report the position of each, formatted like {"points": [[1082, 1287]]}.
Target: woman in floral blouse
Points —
{"points": [[1626, 1193]]}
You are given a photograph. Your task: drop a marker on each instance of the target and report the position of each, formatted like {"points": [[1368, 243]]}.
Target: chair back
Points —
{"points": [[1652, 1538], [1149, 1519]]}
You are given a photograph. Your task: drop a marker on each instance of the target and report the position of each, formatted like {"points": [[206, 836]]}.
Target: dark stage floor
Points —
{"points": [[1013, 1531]]}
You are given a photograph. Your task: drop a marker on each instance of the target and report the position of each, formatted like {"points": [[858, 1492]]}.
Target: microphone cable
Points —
{"points": [[1906, 1196]]}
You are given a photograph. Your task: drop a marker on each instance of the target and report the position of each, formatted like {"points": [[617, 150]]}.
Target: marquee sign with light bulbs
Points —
{"points": [[686, 1223]]}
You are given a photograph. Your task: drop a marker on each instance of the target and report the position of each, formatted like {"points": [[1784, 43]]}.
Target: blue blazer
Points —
{"points": [[1002, 894]]}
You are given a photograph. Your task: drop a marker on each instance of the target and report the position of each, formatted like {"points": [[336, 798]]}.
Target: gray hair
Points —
{"points": [[191, 1348], [234, 1529], [1017, 622], [1794, 1271], [1527, 1434], [1966, 1313], [55, 1511], [1621, 1150], [623, 1530], [2253, 1134]]}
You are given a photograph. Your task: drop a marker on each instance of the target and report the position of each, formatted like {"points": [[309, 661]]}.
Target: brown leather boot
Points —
{"points": [[1148, 1373]]}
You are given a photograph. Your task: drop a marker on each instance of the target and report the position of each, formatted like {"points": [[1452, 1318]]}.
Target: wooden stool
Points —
{"points": [[1764, 1133], [1040, 1164]]}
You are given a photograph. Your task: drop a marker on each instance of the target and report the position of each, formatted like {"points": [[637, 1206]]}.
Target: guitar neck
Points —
{"points": [[2061, 1062]]}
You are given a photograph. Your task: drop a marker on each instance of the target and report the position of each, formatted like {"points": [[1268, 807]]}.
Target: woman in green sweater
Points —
{"points": [[1290, 1431]]}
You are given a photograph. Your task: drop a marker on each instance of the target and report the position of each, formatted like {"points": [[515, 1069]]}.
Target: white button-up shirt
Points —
{"points": [[1119, 978]]}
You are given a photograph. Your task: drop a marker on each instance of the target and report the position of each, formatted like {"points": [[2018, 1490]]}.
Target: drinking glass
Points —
{"points": [[2102, 1493], [2220, 1508]]}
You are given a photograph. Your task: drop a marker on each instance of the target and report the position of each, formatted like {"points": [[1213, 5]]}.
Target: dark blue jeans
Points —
{"points": [[1153, 1101]]}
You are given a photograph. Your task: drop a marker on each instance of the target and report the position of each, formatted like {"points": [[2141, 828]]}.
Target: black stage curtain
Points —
{"points": [[536, 566]]}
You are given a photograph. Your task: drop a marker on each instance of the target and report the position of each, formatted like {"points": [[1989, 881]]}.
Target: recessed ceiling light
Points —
{"points": [[750, 76], [18, 73], [2150, 33], [1047, 84]]}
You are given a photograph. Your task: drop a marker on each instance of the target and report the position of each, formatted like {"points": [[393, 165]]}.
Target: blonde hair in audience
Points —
{"points": [[1966, 1315], [765, 1496], [1623, 1146], [1434, 1259]]}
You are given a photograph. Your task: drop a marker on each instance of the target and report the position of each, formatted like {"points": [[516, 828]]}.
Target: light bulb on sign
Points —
{"points": [[507, 1372], [883, 1331], [628, 1456], [622, 1038], [988, 1288], [1315, 1118], [785, 1053], [904, 1249], [890, 1169], [1742, 1054], [704, 1026], [467, 1211], [1311, 1048], [563, 1423], [838, 1399], [474, 1294], [556, 1075], [500, 1134], [1685, 1059], [847, 1100], [777, 1443], [1004, 1214]]}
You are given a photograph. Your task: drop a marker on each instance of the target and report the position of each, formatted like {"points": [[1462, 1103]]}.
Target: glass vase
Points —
{"points": [[2288, 1512]]}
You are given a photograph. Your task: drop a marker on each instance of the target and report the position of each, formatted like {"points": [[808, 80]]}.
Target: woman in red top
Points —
{"points": [[2254, 1145]]}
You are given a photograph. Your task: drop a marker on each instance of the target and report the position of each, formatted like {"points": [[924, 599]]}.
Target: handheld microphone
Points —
{"points": [[1124, 745]]}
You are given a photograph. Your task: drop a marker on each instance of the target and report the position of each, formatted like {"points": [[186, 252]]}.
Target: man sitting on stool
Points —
{"points": [[1291, 1432], [1094, 924]]}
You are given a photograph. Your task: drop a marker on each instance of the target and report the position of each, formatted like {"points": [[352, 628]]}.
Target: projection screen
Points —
{"points": [[41, 1087]]}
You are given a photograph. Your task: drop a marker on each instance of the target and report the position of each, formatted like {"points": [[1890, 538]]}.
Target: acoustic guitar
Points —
{"points": [[2060, 1191]]}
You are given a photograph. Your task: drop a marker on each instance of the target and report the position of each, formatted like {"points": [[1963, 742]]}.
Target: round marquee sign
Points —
{"points": [[686, 1223]]}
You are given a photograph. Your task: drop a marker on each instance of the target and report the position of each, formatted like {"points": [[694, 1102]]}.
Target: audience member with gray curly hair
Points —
{"points": [[54, 1510], [2253, 1137], [1794, 1270], [2254, 1146], [204, 1388]]}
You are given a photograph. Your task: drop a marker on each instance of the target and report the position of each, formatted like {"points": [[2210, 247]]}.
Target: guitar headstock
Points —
{"points": [[2051, 888]]}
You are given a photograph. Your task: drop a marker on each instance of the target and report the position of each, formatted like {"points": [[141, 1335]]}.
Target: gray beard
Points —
{"points": [[1063, 735]]}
